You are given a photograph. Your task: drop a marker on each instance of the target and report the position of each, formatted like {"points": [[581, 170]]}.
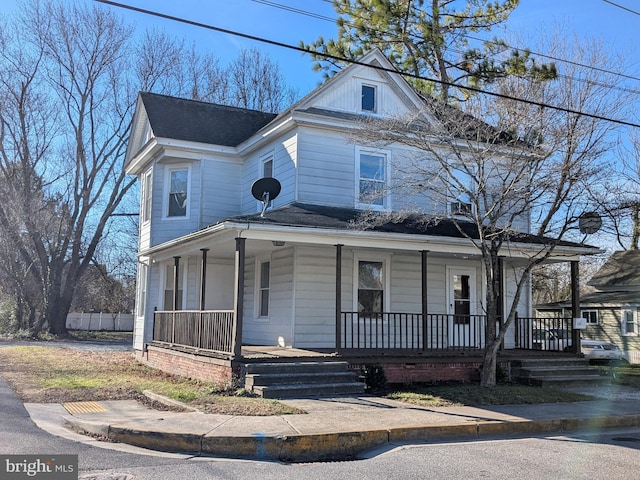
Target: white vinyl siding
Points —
{"points": [[325, 168], [346, 95], [221, 195], [280, 325], [315, 311], [283, 152], [167, 228]]}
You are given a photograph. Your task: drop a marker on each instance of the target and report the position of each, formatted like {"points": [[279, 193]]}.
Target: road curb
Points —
{"points": [[336, 445]]}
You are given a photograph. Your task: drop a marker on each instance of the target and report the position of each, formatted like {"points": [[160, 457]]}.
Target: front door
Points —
{"points": [[463, 322]]}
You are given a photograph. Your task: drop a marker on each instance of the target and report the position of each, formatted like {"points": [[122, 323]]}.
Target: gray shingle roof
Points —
{"points": [[622, 269], [190, 120], [340, 218]]}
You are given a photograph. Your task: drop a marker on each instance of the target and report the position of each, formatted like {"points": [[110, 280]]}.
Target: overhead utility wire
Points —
{"points": [[622, 7], [470, 37], [356, 62]]}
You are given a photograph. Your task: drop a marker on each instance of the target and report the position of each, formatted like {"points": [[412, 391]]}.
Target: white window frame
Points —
{"points": [[146, 196], [455, 202], [264, 159], [167, 274], [167, 189], [258, 288], [386, 198], [589, 317], [376, 98], [623, 322], [141, 297], [386, 277]]}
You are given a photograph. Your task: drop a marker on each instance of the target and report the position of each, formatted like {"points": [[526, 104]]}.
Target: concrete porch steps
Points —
{"points": [[302, 379], [560, 372]]}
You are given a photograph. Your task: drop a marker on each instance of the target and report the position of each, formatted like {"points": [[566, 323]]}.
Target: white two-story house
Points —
{"points": [[218, 279]]}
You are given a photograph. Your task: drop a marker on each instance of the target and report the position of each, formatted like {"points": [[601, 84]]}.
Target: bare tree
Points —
{"points": [[529, 173], [256, 82], [69, 77]]}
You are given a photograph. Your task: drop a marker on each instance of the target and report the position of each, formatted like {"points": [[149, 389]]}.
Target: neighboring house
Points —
{"points": [[214, 275], [612, 309]]}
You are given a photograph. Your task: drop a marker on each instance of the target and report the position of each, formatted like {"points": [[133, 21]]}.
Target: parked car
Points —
{"points": [[554, 339], [599, 351]]}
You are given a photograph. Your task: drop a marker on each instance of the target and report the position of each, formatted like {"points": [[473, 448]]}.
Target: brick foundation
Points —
{"points": [[428, 372], [187, 365]]}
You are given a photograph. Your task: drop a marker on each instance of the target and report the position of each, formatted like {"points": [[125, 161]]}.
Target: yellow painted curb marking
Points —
{"points": [[84, 407]]}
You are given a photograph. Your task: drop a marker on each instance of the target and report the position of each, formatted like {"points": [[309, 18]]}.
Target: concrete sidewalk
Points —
{"points": [[333, 428]]}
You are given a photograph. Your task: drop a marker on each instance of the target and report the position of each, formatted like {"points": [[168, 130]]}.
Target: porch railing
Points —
{"points": [[407, 332], [204, 330], [410, 332], [553, 334]]}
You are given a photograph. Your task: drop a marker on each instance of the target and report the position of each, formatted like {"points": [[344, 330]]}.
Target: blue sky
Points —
{"points": [[617, 27]]}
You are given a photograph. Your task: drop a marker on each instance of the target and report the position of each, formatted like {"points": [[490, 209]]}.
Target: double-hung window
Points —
{"points": [[462, 186], [264, 284], [169, 287], [370, 286], [145, 197], [178, 192], [372, 177], [629, 324], [591, 316]]}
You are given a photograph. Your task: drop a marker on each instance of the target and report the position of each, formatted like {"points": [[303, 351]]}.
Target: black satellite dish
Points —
{"points": [[589, 222], [264, 190]]}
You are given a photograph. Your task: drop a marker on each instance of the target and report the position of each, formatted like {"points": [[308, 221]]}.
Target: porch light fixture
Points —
{"points": [[278, 243]]}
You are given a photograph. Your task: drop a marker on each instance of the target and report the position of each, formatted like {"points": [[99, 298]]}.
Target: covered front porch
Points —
{"points": [[415, 295], [360, 334]]}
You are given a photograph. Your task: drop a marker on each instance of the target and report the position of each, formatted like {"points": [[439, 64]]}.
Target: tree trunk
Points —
{"points": [[56, 315]]}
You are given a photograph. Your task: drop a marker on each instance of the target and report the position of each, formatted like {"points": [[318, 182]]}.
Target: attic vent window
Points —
{"points": [[368, 98]]}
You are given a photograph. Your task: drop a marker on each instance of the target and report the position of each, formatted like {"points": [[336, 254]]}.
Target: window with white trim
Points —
{"points": [[368, 95], [370, 286], [462, 185], [169, 280], [371, 283], [629, 324], [145, 197], [591, 316], [142, 289], [177, 186], [263, 288], [267, 167], [372, 178]]}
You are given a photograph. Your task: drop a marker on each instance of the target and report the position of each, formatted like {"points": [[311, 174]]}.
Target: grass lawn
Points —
{"points": [[474, 395], [53, 374], [45, 374]]}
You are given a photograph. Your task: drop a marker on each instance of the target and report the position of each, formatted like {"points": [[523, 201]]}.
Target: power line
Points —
{"points": [[356, 62], [470, 37], [621, 6]]}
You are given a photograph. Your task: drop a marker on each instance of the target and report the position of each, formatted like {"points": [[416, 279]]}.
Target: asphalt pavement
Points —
{"points": [[332, 428]]}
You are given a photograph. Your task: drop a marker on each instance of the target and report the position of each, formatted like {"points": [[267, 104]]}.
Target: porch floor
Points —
{"points": [[262, 352], [270, 352]]}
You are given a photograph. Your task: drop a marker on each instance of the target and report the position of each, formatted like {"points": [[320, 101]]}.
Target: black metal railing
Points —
{"points": [[204, 330], [552, 334], [411, 332]]}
